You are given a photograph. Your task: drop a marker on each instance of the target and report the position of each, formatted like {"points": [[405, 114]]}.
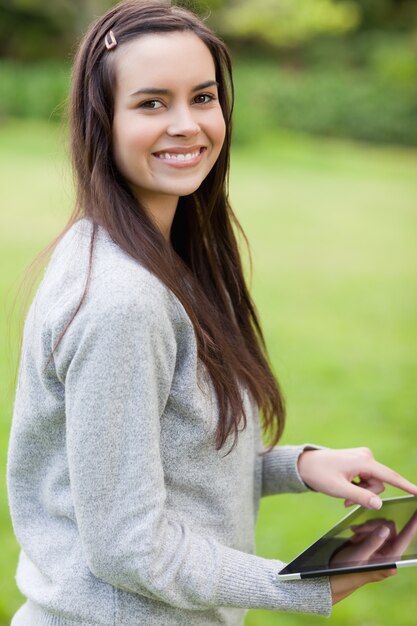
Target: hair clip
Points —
{"points": [[110, 40]]}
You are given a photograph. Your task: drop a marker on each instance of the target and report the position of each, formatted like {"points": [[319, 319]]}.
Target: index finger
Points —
{"points": [[387, 475]]}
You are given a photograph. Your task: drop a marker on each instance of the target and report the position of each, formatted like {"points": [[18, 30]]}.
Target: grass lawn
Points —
{"points": [[333, 228]]}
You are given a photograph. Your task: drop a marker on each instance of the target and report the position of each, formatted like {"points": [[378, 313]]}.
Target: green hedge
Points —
{"points": [[336, 102], [36, 91], [340, 103]]}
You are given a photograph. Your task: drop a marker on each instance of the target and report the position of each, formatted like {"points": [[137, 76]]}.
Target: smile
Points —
{"points": [[180, 159]]}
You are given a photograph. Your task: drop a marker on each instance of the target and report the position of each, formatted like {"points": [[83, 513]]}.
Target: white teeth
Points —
{"points": [[179, 157]]}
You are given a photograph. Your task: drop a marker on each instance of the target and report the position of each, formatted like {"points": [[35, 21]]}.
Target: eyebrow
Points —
{"points": [[167, 92]]}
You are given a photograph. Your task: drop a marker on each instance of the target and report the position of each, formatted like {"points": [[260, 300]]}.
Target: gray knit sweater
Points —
{"points": [[125, 512]]}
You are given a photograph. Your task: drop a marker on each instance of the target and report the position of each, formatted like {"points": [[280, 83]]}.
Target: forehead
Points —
{"points": [[163, 60]]}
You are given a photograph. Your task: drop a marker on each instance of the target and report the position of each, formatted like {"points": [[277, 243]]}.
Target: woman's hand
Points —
{"points": [[375, 538], [343, 585], [352, 474]]}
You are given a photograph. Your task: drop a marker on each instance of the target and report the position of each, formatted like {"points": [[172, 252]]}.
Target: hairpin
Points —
{"points": [[110, 40]]}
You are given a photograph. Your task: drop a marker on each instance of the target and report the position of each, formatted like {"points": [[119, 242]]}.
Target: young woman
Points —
{"points": [[135, 462]]}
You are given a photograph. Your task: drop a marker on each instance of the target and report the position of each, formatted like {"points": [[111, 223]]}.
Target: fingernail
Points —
{"points": [[375, 503], [383, 532]]}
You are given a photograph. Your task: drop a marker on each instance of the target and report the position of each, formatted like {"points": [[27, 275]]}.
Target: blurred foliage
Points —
{"points": [[37, 90], [281, 23], [323, 102], [334, 67], [34, 29]]}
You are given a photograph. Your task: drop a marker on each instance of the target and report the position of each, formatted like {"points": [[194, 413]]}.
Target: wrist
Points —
{"points": [[303, 462]]}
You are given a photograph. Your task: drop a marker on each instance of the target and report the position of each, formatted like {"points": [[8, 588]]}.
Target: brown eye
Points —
{"points": [[204, 95], [145, 105]]}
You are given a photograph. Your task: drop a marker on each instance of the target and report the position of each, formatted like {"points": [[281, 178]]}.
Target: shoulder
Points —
{"points": [[125, 309], [111, 266], [116, 283], [120, 296], [121, 307]]}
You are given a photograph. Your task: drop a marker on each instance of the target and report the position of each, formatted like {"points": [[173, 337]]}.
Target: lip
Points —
{"points": [[181, 164]]}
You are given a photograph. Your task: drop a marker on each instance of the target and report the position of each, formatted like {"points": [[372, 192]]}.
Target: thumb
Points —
{"points": [[359, 495]]}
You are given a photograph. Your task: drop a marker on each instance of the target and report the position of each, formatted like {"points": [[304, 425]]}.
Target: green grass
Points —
{"points": [[333, 231]]}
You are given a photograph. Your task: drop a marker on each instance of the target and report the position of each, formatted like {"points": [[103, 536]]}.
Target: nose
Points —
{"points": [[183, 123]]}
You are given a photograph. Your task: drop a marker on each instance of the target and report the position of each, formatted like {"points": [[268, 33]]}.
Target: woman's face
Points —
{"points": [[168, 126]]}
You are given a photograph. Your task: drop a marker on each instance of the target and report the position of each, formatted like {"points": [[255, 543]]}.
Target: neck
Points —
{"points": [[161, 211]]}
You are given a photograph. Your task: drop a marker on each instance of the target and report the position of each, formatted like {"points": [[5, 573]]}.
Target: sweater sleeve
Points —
{"points": [[117, 383], [280, 470]]}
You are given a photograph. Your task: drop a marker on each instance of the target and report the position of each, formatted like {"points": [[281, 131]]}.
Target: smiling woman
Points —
{"points": [[185, 131], [136, 461]]}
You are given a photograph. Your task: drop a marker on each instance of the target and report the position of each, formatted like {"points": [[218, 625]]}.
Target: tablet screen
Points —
{"points": [[364, 538]]}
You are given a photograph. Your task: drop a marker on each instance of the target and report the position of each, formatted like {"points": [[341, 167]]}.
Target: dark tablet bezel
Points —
{"points": [[296, 570]]}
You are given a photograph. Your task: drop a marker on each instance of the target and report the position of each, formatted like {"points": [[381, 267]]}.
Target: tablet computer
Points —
{"points": [[363, 540]]}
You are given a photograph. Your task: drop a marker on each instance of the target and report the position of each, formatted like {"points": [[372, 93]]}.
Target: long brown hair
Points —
{"points": [[201, 264]]}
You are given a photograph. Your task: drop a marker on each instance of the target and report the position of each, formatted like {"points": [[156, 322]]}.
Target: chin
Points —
{"points": [[185, 191]]}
